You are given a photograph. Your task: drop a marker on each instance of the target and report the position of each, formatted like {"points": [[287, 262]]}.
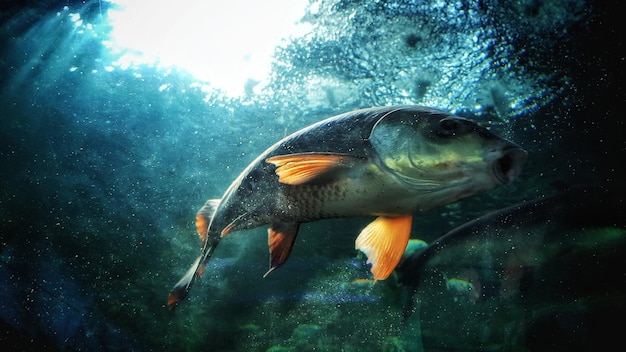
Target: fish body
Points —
{"points": [[387, 162]]}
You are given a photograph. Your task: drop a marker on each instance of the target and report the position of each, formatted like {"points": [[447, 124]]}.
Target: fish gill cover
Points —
{"points": [[104, 165]]}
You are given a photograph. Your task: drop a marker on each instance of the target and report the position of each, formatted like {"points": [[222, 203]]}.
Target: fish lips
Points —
{"points": [[506, 162]]}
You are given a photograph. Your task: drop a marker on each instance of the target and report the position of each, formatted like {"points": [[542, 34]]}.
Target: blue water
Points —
{"points": [[102, 172]]}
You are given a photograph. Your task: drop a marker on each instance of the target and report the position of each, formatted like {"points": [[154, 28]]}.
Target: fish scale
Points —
{"points": [[310, 201]]}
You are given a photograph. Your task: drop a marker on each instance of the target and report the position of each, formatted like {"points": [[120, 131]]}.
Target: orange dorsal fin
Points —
{"points": [[203, 218], [384, 241], [297, 169], [280, 238], [202, 227]]}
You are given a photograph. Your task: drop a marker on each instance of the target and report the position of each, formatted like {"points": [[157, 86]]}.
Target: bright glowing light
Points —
{"points": [[225, 43]]}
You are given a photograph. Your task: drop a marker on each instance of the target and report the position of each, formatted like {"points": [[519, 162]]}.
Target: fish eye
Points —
{"points": [[449, 127]]}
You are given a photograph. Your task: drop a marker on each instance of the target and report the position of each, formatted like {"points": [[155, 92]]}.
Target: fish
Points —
{"points": [[464, 288], [386, 162]]}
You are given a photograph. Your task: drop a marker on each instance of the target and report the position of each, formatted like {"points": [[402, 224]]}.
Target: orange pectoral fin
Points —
{"points": [[280, 238], [384, 241], [297, 169]]}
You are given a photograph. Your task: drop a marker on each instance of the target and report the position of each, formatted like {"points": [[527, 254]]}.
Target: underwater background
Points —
{"points": [[103, 166]]}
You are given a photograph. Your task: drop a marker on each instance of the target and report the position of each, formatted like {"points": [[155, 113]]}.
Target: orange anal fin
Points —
{"points": [[280, 238], [233, 225], [227, 229], [297, 169], [384, 241], [241, 222]]}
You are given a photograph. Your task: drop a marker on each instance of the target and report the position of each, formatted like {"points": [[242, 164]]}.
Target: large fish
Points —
{"points": [[388, 162]]}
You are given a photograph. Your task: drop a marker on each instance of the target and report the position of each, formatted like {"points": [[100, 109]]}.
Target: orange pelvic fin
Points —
{"points": [[384, 241], [297, 169], [280, 238], [203, 218]]}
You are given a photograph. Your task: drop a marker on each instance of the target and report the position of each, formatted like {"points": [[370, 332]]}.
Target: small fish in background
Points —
{"points": [[365, 283], [459, 287], [388, 162], [414, 246], [465, 286]]}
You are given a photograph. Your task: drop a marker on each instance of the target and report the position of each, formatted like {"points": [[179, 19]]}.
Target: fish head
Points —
{"points": [[431, 150]]}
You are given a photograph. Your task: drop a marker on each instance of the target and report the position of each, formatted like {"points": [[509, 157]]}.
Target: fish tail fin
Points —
{"points": [[182, 287]]}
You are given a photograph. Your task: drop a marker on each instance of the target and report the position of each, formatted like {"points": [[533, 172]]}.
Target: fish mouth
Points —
{"points": [[509, 166]]}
